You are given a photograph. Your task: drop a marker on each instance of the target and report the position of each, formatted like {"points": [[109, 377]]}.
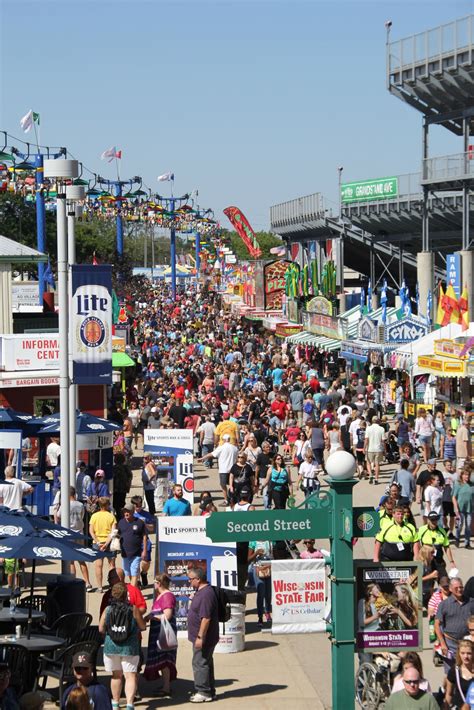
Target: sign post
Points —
{"points": [[326, 514]]}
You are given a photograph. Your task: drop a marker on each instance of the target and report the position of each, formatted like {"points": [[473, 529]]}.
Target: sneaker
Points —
{"points": [[260, 622], [88, 587], [268, 617], [200, 698], [376, 483], [370, 479], [144, 578]]}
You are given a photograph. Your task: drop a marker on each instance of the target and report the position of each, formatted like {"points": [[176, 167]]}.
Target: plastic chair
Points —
{"points": [[89, 633], [61, 668], [40, 602], [18, 661], [68, 626]]}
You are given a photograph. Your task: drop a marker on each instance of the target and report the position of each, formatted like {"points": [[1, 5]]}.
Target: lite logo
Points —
{"points": [[89, 303]]}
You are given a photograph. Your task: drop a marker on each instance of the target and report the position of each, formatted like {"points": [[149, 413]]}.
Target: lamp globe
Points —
{"points": [[341, 466]]}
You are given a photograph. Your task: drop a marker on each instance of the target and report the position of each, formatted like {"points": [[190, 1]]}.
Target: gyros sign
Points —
{"points": [[29, 352]]}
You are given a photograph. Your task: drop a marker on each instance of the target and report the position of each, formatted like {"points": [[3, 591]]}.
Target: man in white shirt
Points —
{"points": [[353, 427], [375, 437], [12, 492], [53, 451], [226, 455], [206, 438]]}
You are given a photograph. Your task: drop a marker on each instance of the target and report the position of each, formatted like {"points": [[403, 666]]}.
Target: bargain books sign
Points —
{"points": [[91, 324]]}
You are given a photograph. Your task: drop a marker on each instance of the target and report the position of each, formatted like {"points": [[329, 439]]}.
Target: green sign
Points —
{"points": [[381, 189], [365, 521], [296, 524]]}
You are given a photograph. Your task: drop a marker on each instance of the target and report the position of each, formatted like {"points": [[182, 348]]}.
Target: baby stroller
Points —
{"points": [[392, 451], [374, 680]]}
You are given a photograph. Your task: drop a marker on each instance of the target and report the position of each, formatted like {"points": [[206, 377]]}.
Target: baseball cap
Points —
{"points": [[82, 659], [432, 515], [431, 462], [100, 472], [226, 415], [226, 437], [129, 508], [153, 410]]}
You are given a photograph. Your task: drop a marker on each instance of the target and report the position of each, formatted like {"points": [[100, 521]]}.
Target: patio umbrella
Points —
{"points": [[9, 417], [41, 547], [85, 424], [22, 522]]}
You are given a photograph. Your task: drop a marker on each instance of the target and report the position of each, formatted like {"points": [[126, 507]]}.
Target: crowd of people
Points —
{"points": [[267, 417]]}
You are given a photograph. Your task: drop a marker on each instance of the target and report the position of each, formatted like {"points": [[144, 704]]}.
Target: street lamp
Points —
{"points": [[62, 171], [74, 194]]}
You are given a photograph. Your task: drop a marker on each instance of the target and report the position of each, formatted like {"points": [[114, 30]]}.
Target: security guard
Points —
{"points": [[394, 542], [432, 534], [386, 513]]}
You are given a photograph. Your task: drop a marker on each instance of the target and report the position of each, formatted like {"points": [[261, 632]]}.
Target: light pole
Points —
{"points": [[74, 194], [62, 171], [342, 304]]}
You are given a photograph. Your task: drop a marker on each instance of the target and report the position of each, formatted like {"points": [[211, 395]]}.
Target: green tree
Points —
{"points": [[266, 241]]}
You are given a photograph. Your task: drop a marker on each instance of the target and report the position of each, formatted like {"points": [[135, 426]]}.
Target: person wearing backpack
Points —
{"points": [[203, 632], [121, 623]]}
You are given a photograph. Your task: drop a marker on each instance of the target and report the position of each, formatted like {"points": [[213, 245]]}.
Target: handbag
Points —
{"points": [[115, 543], [263, 570], [167, 640]]}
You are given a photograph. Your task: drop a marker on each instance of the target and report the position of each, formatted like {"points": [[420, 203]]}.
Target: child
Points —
{"points": [[311, 552]]}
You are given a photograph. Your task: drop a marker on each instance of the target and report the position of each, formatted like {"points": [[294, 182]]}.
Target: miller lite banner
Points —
{"points": [[91, 324]]}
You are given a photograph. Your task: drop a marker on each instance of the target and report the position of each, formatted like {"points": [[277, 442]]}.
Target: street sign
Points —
{"points": [[380, 189], [297, 523]]}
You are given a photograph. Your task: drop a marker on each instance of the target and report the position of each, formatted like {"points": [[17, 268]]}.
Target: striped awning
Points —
{"points": [[319, 341]]}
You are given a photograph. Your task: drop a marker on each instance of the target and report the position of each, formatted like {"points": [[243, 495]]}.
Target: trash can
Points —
{"points": [[68, 592]]}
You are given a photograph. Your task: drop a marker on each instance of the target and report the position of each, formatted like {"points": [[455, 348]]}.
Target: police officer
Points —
{"points": [[396, 541], [437, 537]]}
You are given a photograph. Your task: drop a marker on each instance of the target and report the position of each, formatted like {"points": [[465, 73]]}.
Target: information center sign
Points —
{"points": [[380, 189]]}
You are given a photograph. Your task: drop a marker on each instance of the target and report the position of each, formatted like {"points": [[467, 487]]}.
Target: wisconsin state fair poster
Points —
{"points": [[389, 607], [172, 452], [182, 546]]}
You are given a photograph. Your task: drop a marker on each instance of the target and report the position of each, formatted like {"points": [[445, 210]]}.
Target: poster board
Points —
{"points": [[299, 596], [391, 592], [172, 452], [184, 545]]}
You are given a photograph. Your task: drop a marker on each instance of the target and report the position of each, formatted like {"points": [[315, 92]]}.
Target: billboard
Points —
{"points": [[274, 283], [389, 607], [184, 545], [91, 324]]}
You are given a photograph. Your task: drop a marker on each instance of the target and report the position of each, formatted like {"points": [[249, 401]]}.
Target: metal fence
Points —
{"points": [[302, 209], [435, 45], [459, 166]]}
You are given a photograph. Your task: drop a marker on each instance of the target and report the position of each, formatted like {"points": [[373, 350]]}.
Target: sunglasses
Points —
{"points": [[412, 682]]}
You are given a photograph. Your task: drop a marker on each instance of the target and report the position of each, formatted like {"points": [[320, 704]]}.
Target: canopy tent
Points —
{"points": [[425, 345], [122, 360]]}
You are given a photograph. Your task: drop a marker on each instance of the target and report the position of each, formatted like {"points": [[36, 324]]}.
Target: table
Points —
{"points": [[6, 593], [35, 645], [20, 616]]}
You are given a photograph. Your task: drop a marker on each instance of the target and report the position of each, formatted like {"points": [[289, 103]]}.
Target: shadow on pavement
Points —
{"points": [[256, 645]]}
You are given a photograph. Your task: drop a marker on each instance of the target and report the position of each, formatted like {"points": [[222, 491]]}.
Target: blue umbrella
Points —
{"points": [[85, 424], [9, 417], [22, 522]]}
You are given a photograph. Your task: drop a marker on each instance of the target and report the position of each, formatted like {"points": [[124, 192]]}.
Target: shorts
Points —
{"points": [[9, 566], [131, 565], [425, 439], [360, 456], [402, 440], [126, 664], [448, 508], [275, 423], [374, 457], [319, 456], [224, 479]]}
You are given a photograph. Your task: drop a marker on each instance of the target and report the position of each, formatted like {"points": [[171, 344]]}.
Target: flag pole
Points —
{"points": [[117, 166], [36, 135]]}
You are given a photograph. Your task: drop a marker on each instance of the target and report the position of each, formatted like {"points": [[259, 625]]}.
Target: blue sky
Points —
{"points": [[253, 103]]}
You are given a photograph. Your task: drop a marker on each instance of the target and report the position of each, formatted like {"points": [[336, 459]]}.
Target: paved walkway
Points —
{"points": [[292, 671]]}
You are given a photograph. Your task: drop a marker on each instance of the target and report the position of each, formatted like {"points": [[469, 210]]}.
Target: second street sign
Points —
{"points": [[267, 525]]}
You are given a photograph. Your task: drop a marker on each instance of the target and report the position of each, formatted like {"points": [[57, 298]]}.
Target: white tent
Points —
{"points": [[425, 345]]}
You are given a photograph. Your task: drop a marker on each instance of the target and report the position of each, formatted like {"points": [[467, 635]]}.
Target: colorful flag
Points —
{"points": [[48, 276], [241, 224], [115, 307], [463, 306], [166, 177], [429, 306], [467, 346], [369, 297], [314, 276], [28, 121], [383, 301], [450, 307], [439, 310], [417, 298], [110, 154], [94, 260], [362, 300]]}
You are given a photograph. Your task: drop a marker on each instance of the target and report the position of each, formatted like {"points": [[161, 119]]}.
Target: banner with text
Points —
{"points": [[298, 596], [172, 451], [183, 545], [389, 610], [91, 324]]}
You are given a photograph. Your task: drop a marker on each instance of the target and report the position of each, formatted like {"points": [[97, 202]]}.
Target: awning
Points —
{"points": [[122, 360], [353, 356], [443, 367], [318, 341]]}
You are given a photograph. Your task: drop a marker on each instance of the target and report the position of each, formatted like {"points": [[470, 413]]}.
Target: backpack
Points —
{"points": [[308, 408], [119, 621], [223, 604]]}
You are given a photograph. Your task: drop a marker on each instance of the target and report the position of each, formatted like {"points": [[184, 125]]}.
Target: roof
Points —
{"points": [[14, 252]]}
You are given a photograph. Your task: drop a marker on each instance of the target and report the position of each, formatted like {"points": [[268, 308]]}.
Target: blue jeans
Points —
{"points": [[206, 449], [264, 593], [466, 520]]}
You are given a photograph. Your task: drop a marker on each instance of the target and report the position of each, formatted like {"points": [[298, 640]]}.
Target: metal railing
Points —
{"points": [[302, 209], [449, 168], [440, 46]]}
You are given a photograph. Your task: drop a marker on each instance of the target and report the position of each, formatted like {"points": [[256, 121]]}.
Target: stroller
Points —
{"points": [[392, 451]]}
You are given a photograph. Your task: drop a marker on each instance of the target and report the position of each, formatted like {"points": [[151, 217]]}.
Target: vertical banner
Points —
{"points": [[389, 610], [91, 324], [183, 545], [172, 452], [453, 272], [298, 596]]}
